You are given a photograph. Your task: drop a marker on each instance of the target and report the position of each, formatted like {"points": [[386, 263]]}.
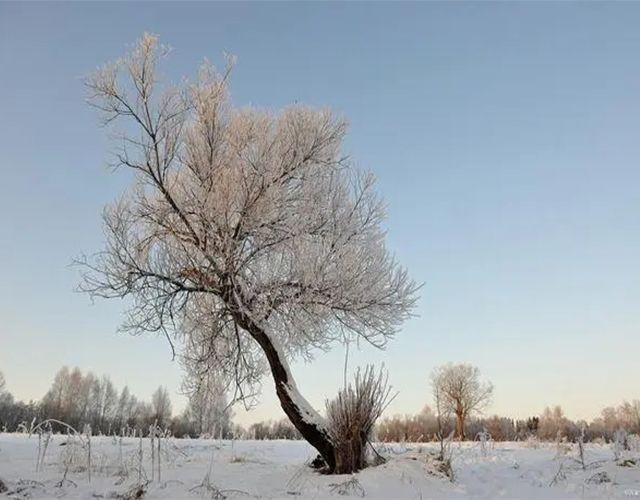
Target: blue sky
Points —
{"points": [[506, 141]]}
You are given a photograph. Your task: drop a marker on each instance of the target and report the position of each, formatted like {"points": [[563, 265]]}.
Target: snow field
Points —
{"points": [[193, 468]]}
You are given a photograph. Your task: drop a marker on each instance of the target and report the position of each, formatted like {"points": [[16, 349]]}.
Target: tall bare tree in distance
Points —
{"points": [[161, 406], [458, 389], [245, 232], [208, 409]]}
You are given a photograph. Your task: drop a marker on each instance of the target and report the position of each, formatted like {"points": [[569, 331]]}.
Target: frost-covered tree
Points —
{"points": [[54, 400], [246, 232], [103, 401], [630, 415], [161, 406], [5, 396], [459, 390], [131, 412], [553, 423], [122, 411], [412, 428], [85, 399], [74, 398], [208, 410]]}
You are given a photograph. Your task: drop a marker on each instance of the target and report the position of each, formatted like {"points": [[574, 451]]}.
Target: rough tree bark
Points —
{"points": [[316, 435], [313, 432]]}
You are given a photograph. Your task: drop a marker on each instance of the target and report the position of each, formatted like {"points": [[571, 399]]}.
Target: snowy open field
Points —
{"points": [[276, 469]]}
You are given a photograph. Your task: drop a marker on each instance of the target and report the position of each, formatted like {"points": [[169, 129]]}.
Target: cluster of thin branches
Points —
{"points": [[352, 416]]}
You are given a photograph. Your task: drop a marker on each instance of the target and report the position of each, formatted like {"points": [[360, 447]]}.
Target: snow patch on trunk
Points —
{"points": [[308, 412]]}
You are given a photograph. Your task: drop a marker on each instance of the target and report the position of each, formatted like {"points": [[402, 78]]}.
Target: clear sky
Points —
{"points": [[506, 141]]}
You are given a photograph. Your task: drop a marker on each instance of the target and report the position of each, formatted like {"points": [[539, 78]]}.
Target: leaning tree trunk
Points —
{"points": [[312, 430]]}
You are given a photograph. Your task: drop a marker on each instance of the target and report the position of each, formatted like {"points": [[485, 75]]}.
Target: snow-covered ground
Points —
{"points": [[276, 469]]}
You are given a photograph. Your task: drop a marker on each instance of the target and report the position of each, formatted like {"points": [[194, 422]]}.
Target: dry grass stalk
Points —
{"points": [[352, 416]]}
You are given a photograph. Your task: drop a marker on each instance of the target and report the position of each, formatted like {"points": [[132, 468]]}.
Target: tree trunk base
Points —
{"points": [[350, 456]]}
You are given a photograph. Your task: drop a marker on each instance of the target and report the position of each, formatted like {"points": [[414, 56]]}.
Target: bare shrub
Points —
{"points": [[560, 475], [208, 488], [352, 487], [72, 457], [352, 416], [620, 443], [445, 466], [25, 488], [134, 493], [599, 478]]}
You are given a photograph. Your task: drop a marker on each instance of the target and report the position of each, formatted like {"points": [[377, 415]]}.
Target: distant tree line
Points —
{"points": [[279, 429], [457, 392], [459, 397], [78, 399], [552, 424]]}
